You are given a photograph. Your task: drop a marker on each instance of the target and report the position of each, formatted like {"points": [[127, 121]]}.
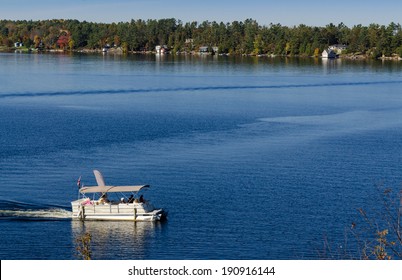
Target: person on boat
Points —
{"points": [[142, 200], [122, 200], [87, 201], [104, 199], [130, 199]]}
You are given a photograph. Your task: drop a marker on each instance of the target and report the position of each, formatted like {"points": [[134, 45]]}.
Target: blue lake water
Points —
{"points": [[254, 158]]}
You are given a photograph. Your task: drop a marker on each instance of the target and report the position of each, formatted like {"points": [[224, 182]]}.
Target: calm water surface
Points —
{"points": [[253, 158]]}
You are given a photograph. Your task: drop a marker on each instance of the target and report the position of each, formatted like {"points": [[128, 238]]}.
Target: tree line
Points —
{"points": [[237, 37]]}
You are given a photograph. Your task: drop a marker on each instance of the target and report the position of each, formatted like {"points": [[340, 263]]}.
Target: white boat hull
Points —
{"points": [[136, 212]]}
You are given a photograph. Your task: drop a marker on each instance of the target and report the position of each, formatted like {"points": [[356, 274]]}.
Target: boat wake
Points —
{"points": [[191, 89], [36, 214], [23, 211]]}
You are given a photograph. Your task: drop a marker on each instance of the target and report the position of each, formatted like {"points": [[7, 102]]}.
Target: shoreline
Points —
{"points": [[119, 51]]}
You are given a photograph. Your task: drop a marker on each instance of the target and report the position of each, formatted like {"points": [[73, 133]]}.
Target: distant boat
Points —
{"points": [[99, 207]]}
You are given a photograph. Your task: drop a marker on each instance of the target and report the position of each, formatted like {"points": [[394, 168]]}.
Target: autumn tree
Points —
{"points": [[63, 41]]}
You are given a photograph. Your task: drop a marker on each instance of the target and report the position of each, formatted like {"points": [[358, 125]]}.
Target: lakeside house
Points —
{"points": [[106, 48], [208, 50], [203, 49], [328, 53], [338, 48], [161, 49]]}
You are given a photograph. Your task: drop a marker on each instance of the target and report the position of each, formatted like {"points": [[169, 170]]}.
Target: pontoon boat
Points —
{"points": [[99, 207]]}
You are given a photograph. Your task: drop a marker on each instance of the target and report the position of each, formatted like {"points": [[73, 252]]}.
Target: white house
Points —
{"points": [[328, 54], [161, 49], [203, 49], [338, 48], [208, 50]]}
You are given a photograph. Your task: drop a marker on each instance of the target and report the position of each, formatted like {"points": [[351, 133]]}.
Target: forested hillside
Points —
{"points": [[238, 37]]}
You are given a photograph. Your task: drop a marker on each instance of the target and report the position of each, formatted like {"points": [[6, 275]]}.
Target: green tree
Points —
{"points": [[237, 37]]}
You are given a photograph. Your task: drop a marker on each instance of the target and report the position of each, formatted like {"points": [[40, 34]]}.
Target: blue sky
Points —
{"points": [[285, 12]]}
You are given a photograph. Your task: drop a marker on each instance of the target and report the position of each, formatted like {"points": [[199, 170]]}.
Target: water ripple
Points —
{"points": [[200, 88]]}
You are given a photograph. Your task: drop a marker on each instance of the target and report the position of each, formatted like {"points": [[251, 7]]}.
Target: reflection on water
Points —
{"points": [[117, 239], [331, 66]]}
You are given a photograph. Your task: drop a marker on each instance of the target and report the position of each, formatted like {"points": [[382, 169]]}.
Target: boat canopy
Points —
{"points": [[108, 189]]}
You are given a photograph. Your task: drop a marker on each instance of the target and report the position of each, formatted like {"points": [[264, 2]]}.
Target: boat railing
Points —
{"points": [[117, 208]]}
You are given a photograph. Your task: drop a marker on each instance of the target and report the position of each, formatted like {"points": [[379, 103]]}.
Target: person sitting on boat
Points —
{"points": [[130, 199], [103, 199], [87, 201], [122, 200], [142, 200]]}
